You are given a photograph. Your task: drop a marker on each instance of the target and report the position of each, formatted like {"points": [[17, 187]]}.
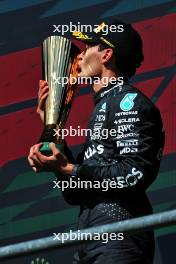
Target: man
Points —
{"points": [[130, 158]]}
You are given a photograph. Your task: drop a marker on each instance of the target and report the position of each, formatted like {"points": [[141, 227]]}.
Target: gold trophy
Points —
{"points": [[59, 67]]}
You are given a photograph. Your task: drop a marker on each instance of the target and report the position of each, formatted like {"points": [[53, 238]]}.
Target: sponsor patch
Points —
{"points": [[92, 150]]}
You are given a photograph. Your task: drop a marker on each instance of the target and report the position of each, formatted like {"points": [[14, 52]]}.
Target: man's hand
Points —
{"points": [[42, 95], [57, 163]]}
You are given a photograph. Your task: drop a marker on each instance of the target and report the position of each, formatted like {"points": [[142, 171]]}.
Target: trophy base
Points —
{"points": [[46, 150], [47, 137]]}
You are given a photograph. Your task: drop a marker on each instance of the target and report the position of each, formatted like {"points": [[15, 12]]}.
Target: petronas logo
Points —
{"points": [[127, 102], [39, 261]]}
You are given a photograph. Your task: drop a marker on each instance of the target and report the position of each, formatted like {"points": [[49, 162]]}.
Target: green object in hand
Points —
{"points": [[46, 150]]}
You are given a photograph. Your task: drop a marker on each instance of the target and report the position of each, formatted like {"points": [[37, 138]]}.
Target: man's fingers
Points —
{"points": [[40, 157], [42, 97], [41, 102], [36, 147], [41, 87], [33, 155], [36, 150], [31, 158], [36, 169], [55, 150], [42, 83], [43, 159], [31, 162], [31, 152], [58, 155], [42, 91], [37, 162]]}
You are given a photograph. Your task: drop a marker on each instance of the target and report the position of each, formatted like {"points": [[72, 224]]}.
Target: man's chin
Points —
{"points": [[82, 75]]}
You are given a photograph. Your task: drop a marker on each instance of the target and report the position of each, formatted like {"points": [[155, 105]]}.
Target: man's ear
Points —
{"points": [[106, 55]]}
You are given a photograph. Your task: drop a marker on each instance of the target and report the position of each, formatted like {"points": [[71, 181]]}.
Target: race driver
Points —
{"points": [[130, 158]]}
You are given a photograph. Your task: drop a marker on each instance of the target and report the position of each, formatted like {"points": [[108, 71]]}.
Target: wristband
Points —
{"points": [[75, 170]]}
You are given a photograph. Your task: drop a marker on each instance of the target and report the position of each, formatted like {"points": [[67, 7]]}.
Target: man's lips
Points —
{"points": [[79, 68]]}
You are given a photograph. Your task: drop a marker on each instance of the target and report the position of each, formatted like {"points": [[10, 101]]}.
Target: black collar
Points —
{"points": [[105, 90]]}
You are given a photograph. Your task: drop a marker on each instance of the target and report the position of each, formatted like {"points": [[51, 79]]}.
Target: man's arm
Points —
{"points": [[132, 168]]}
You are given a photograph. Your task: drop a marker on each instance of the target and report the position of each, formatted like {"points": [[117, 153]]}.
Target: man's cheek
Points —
{"points": [[86, 69], [93, 67]]}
